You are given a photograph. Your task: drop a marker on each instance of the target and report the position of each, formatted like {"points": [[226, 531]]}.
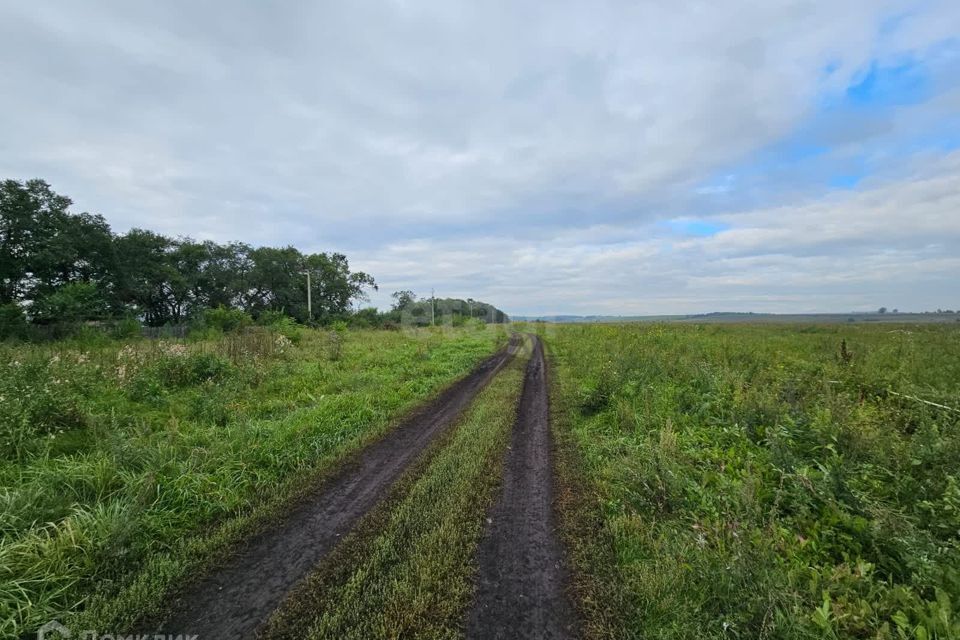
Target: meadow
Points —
{"points": [[757, 481], [714, 481], [127, 466]]}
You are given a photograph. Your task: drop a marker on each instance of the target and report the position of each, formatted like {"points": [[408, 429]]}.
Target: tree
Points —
{"points": [[79, 249], [335, 287], [43, 246], [276, 282], [882, 310], [143, 275], [73, 302], [24, 210], [57, 266], [403, 299]]}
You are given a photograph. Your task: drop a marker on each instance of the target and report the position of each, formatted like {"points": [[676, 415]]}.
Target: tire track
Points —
{"points": [[522, 581], [237, 598]]}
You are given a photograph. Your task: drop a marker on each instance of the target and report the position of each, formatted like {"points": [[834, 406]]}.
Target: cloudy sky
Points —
{"points": [[550, 157]]}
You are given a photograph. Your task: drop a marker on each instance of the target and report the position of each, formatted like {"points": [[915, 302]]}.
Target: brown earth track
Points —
{"points": [[522, 582], [237, 598]]}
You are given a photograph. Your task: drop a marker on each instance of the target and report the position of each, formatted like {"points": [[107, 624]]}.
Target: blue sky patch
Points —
{"points": [[849, 133], [903, 84], [845, 180], [700, 228]]}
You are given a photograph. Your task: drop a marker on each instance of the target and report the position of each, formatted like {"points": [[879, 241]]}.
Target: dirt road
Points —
{"points": [[236, 600], [521, 587]]}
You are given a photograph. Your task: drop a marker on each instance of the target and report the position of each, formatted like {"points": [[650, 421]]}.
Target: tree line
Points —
{"points": [[57, 266], [408, 308]]}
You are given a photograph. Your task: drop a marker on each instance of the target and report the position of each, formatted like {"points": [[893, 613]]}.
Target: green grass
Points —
{"points": [[754, 482], [125, 468], [407, 572]]}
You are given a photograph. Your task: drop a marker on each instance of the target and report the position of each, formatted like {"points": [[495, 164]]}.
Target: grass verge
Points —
{"points": [[127, 468], [407, 570], [597, 589]]}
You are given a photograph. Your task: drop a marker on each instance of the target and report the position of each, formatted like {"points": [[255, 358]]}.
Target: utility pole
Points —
{"points": [[309, 298], [433, 308]]}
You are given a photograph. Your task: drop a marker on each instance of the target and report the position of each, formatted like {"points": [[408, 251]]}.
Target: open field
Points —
{"points": [[642, 480], [761, 481], [856, 317], [129, 467]]}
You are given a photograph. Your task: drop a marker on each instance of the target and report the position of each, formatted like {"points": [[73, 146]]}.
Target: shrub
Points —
{"points": [[226, 319], [282, 324], [272, 317], [173, 368], [334, 345], [126, 328], [192, 369], [71, 303], [366, 318], [34, 401], [13, 324]]}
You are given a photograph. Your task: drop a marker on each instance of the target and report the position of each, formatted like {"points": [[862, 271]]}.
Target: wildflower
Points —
{"points": [[282, 343], [174, 350]]}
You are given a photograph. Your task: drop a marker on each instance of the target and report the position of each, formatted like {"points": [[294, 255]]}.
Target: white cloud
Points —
{"points": [[896, 244], [519, 151]]}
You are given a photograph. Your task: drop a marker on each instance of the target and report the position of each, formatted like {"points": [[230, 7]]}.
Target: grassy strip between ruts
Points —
{"points": [[103, 519], [407, 570]]}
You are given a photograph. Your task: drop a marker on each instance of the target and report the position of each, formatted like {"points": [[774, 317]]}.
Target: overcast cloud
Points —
{"points": [[549, 157]]}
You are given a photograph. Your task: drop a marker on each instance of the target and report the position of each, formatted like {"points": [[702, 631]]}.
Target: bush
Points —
{"points": [[34, 401], [127, 328], [192, 369], [367, 318], [13, 324], [282, 324], [176, 368], [71, 303], [226, 319], [271, 317]]}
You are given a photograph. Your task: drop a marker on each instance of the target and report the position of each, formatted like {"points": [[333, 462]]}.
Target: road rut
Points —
{"points": [[522, 582]]}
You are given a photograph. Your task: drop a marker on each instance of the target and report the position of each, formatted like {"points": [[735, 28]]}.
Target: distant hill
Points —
{"points": [[736, 316]]}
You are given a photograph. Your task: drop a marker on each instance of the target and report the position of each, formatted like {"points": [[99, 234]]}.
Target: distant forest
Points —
{"points": [[59, 267], [423, 311]]}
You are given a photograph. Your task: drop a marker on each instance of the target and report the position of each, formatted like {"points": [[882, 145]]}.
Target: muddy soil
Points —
{"points": [[522, 582], [237, 598]]}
